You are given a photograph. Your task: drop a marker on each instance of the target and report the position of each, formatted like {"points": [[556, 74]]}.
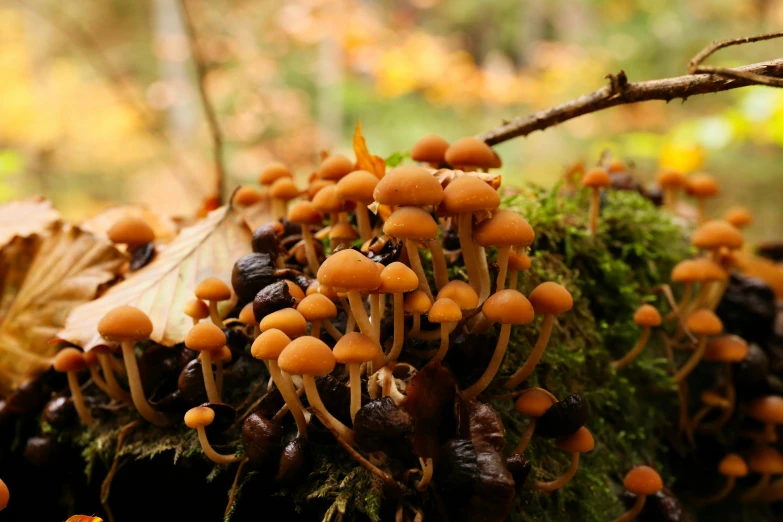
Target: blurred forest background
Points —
{"points": [[99, 101]]}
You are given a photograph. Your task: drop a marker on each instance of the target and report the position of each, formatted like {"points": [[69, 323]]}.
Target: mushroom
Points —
{"points": [[207, 339], [470, 154], [580, 442], [248, 318], [327, 202], [701, 323], [289, 321], [711, 399], [334, 167], [220, 357], [726, 349], [199, 418], [105, 359], [464, 197], [295, 290], [342, 235], [504, 230], [768, 410], [595, 179], [548, 299], [412, 224], [246, 196], [715, 234], [304, 214], [311, 357], [701, 186], [352, 350], [707, 271], [533, 403], [358, 186], [396, 279], [71, 361], [132, 232], [506, 307], [646, 317], [315, 186], [125, 325], [517, 262], [687, 273], [5, 495], [445, 312], [91, 362], [316, 308], [740, 217], [417, 303], [267, 347], [213, 290], [431, 149], [196, 309], [766, 461], [642, 481], [377, 304], [282, 191], [273, 172], [671, 182], [461, 293], [350, 272], [732, 466]]}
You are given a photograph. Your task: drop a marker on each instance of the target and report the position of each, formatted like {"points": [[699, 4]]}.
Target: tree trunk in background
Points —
{"points": [[329, 76], [532, 27]]}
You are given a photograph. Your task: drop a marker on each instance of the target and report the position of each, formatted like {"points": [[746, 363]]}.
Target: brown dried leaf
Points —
{"points": [[26, 217], [42, 278], [446, 176], [365, 160], [164, 227], [430, 401], [258, 214], [160, 289]]}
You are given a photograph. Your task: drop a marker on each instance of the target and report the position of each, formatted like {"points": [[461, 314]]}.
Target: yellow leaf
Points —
{"points": [[26, 217], [164, 227], [208, 248], [365, 160], [44, 276], [682, 158]]}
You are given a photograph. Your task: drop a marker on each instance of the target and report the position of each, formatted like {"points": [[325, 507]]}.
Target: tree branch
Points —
{"points": [[619, 91], [209, 111]]}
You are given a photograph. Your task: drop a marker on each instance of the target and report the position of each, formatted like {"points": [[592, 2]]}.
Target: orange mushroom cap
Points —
{"points": [[647, 315], [461, 293], [270, 344], [505, 228], [199, 417], [287, 320], [408, 185], [508, 307], [411, 223], [732, 465], [356, 348], [715, 234], [704, 322], [205, 336], [444, 310], [726, 349], [551, 298], [125, 323], [702, 185], [196, 308], [131, 231], [317, 307], [643, 480], [580, 442], [469, 194], [767, 409], [766, 460], [740, 217], [304, 213], [358, 186], [596, 178], [417, 302], [307, 356], [273, 172], [348, 270], [247, 195], [213, 289], [430, 149], [398, 278], [335, 167], [668, 178], [284, 188], [69, 360], [533, 403], [470, 151]]}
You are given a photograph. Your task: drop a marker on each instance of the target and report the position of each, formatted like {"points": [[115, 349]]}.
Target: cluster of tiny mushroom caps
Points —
{"points": [[414, 209]]}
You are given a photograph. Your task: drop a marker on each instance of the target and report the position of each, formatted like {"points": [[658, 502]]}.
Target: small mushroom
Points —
{"points": [[267, 347], [740, 217], [642, 481], [5, 495], [327, 202], [687, 273], [353, 349], [716, 234], [196, 309], [316, 308], [768, 410], [580, 442], [311, 357], [342, 235], [207, 339], [282, 191], [726, 349], [732, 466], [417, 303], [213, 290], [701, 323], [304, 214], [412, 224], [504, 230], [71, 361], [701, 186], [408, 186], [461, 293], [396, 279], [517, 262], [711, 399], [646, 317], [334, 167], [132, 232], [248, 318], [92, 364], [445, 312], [107, 361], [358, 186], [766, 461], [273, 172], [548, 299], [595, 179], [430, 149], [469, 154], [506, 307], [125, 325], [533, 403], [246, 196], [671, 182], [288, 320], [199, 418]]}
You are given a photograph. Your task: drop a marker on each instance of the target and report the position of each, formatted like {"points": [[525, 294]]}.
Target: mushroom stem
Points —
{"points": [[399, 328], [78, 399], [415, 262], [595, 206], [494, 364], [439, 268], [98, 380], [350, 324], [526, 436], [629, 515], [355, 373], [720, 495], [635, 351], [331, 330], [209, 379], [315, 401], [503, 253], [375, 313], [731, 396], [312, 257], [211, 454], [214, 315], [484, 283], [684, 301], [137, 391], [219, 377], [426, 473], [290, 397], [431, 335], [315, 328], [563, 479], [363, 221], [691, 363], [513, 279], [444, 343], [360, 315], [115, 391], [757, 489], [538, 350], [416, 325], [465, 232], [700, 207]]}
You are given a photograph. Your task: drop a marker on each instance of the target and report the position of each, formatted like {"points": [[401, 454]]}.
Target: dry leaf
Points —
{"points": [[43, 278], [258, 214], [446, 176], [164, 227], [25, 218], [160, 289], [365, 160]]}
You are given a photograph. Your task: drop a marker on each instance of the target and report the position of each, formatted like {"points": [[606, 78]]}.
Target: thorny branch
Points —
{"points": [[209, 111], [703, 79]]}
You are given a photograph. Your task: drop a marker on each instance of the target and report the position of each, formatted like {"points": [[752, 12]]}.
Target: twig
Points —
{"points": [[234, 487], [209, 110], [619, 91], [106, 485]]}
